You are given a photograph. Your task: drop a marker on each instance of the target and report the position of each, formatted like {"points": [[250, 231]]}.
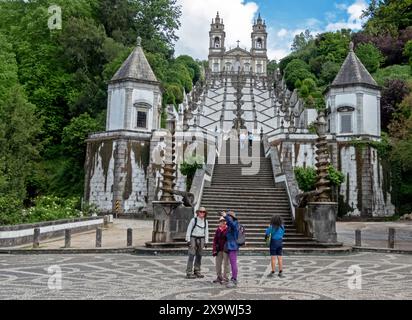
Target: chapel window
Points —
{"points": [[346, 123]]}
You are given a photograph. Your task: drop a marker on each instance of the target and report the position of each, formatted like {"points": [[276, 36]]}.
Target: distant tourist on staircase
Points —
{"points": [[274, 235], [232, 245], [250, 136], [221, 253], [242, 139], [197, 236]]}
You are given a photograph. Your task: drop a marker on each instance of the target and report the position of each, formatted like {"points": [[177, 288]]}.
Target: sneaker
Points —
{"points": [[190, 276], [199, 275], [224, 281], [232, 284], [270, 275], [280, 274], [218, 280]]}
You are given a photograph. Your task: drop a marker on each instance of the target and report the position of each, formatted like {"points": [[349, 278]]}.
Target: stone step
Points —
{"points": [[285, 216], [260, 225], [244, 199], [217, 209], [233, 168], [233, 177], [269, 201], [218, 194], [233, 180], [259, 237], [249, 184], [241, 204], [234, 189]]}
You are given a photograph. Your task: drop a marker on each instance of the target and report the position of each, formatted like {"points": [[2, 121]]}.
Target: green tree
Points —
{"points": [[408, 52], [272, 66], [301, 40], [19, 145], [370, 56], [388, 16], [75, 135], [394, 72], [297, 69], [329, 71], [192, 65]]}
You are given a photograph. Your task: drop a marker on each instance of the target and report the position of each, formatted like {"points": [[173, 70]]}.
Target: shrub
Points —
{"points": [[188, 169], [10, 210], [50, 208], [307, 177], [336, 177]]}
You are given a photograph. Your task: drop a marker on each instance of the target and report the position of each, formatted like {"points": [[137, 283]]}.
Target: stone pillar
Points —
{"points": [[322, 221], [67, 238], [120, 159], [36, 238], [129, 237], [163, 210], [128, 109], [98, 238], [366, 191], [391, 238], [358, 238]]}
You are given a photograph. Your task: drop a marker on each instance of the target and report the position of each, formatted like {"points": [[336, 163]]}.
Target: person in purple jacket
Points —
{"points": [[221, 253], [276, 231]]}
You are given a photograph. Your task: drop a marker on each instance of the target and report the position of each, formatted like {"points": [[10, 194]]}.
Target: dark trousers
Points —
{"points": [[195, 253]]}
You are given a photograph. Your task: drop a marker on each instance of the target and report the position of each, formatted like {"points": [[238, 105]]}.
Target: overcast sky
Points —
{"points": [[284, 19]]}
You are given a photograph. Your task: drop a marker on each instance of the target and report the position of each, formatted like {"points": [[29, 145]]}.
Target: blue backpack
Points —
{"points": [[241, 236]]}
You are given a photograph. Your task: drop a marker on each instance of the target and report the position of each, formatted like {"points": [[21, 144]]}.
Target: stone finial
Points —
{"points": [[139, 41], [351, 46]]}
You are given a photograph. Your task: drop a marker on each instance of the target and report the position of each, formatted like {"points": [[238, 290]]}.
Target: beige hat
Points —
{"points": [[232, 214], [222, 219]]}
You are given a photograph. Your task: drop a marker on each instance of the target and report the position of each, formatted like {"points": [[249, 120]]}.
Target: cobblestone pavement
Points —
{"points": [[384, 276], [375, 234]]}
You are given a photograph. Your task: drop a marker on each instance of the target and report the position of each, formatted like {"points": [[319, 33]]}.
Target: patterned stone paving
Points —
{"points": [[384, 276]]}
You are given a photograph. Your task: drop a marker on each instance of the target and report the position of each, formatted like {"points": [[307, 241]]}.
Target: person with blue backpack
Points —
{"points": [[274, 238], [233, 244]]}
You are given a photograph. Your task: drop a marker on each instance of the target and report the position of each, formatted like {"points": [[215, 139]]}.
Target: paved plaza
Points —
{"points": [[374, 234], [123, 276]]}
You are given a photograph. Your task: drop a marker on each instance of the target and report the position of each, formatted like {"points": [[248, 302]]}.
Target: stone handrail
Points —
{"points": [[283, 173], [204, 175]]}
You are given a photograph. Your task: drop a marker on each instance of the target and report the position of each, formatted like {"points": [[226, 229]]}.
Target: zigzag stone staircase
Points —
{"points": [[255, 199]]}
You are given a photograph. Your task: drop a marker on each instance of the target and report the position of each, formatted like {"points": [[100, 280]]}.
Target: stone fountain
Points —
{"points": [[321, 211]]}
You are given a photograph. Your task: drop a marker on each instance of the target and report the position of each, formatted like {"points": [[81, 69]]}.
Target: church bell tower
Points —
{"points": [[259, 46], [217, 48]]}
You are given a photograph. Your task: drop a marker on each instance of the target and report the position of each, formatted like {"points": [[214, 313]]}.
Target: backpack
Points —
{"points": [[195, 225], [268, 238], [241, 237]]}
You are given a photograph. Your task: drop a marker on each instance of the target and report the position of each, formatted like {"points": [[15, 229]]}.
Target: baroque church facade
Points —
{"points": [[122, 174], [238, 59]]}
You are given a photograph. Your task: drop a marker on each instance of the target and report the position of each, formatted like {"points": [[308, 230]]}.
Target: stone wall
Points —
{"points": [[116, 172], [366, 189]]}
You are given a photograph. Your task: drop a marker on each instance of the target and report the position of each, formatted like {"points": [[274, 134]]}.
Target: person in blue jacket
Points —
{"points": [[232, 245], [276, 231]]}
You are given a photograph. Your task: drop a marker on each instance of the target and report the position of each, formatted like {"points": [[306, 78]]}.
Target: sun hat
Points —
{"points": [[202, 209], [232, 214]]}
